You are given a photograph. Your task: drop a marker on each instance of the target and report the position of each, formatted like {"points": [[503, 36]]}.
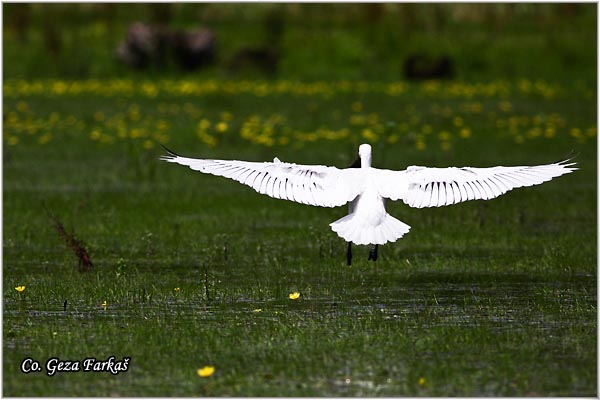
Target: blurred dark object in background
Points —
{"points": [[422, 67], [148, 45], [144, 45], [261, 59], [194, 49]]}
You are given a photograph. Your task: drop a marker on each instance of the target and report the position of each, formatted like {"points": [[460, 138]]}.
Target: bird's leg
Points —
{"points": [[373, 253], [349, 253]]}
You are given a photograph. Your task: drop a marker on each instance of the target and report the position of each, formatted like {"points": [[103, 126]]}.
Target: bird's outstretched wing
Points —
{"points": [[434, 187], [316, 185]]}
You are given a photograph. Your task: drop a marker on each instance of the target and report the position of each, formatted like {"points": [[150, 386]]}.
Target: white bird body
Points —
{"points": [[367, 189]]}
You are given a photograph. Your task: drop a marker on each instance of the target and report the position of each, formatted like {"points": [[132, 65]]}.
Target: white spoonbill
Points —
{"points": [[367, 189]]}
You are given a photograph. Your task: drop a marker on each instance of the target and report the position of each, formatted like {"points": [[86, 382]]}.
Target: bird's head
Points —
{"points": [[364, 152]]}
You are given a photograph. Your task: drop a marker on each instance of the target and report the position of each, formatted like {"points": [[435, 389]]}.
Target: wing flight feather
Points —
{"points": [[307, 184], [434, 187]]}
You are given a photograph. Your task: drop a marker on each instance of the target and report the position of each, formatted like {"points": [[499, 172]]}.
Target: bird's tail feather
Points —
{"points": [[353, 230]]}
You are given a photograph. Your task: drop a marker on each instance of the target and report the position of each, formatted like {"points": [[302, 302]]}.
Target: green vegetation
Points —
{"points": [[482, 298]]}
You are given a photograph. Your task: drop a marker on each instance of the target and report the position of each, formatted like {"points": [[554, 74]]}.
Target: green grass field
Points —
{"points": [[190, 271], [482, 298]]}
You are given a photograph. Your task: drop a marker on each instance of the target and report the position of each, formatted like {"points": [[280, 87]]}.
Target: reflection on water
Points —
{"points": [[501, 306]]}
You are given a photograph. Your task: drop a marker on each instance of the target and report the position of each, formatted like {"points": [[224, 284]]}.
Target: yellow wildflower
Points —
{"points": [[95, 135], [519, 139], [204, 124], [371, 136], [257, 310], [392, 139], [105, 305], [222, 127], [422, 382], [177, 290], [226, 116], [45, 138], [206, 371], [149, 89], [20, 288], [107, 139], [136, 133], [162, 125], [148, 144], [294, 296], [591, 132], [207, 138], [444, 136]]}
